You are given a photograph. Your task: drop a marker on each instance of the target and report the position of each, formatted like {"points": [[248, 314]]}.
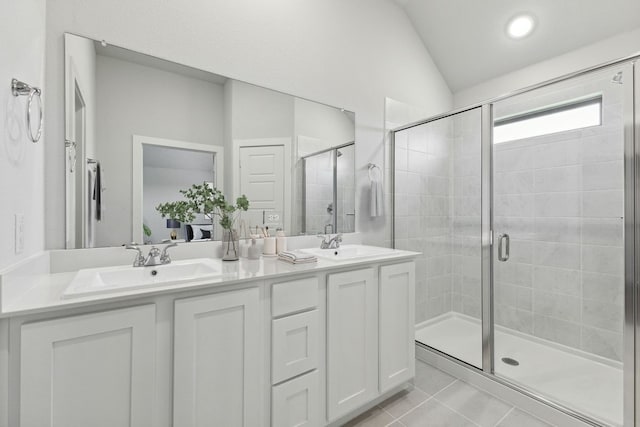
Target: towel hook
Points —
{"points": [[19, 88], [371, 167]]}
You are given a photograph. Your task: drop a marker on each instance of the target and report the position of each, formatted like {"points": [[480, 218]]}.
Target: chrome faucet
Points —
{"points": [[333, 243], [164, 256], [155, 256]]}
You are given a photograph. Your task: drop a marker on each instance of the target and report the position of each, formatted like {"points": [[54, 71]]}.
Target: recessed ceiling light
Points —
{"points": [[520, 26]]}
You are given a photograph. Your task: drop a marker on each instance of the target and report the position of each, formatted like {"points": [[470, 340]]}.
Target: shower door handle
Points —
{"points": [[503, 254]]}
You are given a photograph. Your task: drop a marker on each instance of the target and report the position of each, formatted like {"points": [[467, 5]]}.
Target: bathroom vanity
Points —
{"points": [[255, 343]]}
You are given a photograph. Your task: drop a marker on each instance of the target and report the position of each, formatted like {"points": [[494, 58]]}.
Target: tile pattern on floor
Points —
{"points": [[440, 400]]}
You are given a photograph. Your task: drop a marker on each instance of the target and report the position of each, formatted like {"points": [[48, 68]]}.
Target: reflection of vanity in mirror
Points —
{"points": [[139, 129]]}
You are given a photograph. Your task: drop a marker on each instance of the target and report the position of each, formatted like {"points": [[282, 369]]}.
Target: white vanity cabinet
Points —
{"points": [[352, 340], [308, 349], [370, 334], [94, 370], [217, 360], [397, 320]]}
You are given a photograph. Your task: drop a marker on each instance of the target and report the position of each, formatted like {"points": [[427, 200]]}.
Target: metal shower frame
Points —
{"points": [[631, 331]]}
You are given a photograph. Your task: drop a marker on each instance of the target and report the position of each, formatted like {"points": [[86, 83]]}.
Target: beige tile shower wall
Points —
{"points": [[560, 198], [423, 211]]}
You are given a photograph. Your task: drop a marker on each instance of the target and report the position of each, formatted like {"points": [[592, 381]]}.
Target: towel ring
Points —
{"points": [[19, 88]]}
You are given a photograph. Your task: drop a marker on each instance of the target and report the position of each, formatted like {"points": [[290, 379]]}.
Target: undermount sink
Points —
{"points": [[348, 252], [93, 281]]}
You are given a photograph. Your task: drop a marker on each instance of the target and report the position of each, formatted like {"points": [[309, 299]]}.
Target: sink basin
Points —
{"points": [[93, 281], [349, 252]]}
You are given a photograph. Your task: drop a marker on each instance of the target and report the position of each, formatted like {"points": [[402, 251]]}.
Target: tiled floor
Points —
{"points": [[440, 400]]}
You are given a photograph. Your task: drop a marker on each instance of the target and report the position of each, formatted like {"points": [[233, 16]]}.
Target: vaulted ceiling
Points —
{"points": [[468, 41]]}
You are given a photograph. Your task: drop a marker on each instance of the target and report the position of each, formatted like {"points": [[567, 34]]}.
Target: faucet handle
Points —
{"points": [[325, 243], [139, 260], [164, 257]]}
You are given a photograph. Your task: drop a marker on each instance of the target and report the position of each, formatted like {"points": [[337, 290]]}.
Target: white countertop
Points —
{"points": [[30, 289]]}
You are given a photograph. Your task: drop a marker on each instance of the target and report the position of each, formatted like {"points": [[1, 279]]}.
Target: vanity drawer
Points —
{"points": [[293, 296], [296, 403], [294, 345]]}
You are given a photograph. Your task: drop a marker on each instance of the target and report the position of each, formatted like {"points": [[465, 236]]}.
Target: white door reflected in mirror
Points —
{"points": [[266, 132]]}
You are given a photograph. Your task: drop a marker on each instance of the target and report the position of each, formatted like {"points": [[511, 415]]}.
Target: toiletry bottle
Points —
{"points": [[244, 248], [281, 241], [254, 249]]}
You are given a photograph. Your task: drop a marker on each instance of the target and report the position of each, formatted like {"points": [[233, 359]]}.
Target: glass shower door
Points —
{"points": [[437, 211], [559, 247]]}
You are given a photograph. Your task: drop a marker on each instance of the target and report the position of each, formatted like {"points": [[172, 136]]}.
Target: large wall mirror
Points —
{"points": [[140, 129]]}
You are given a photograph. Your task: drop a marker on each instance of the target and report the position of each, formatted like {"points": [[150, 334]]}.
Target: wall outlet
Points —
{"points": [[19, 228]]}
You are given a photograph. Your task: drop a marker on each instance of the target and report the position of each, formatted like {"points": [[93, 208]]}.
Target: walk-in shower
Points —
{"points": [[523, 209]]}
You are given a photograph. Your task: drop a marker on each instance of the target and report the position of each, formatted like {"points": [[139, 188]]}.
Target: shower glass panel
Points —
{"points": [[345, 189], [437, 211], [318, 193], [558, 253], [328, 205]]}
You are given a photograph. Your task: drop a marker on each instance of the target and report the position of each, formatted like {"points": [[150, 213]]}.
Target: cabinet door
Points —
{"points": [[352, 340], [91, 370], [296, 403], [397, 329], [217, 360]]}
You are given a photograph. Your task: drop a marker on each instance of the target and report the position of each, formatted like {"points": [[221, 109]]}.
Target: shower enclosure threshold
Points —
{"points": [[587, 383]]}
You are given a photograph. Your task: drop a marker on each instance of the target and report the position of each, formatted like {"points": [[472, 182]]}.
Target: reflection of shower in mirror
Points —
{"points": [[258, 150]]}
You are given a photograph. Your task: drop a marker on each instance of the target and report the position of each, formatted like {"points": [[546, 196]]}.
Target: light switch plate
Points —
{"points": [[19, 228]]}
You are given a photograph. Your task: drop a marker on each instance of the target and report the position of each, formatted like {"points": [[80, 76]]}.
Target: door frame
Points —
{"points": [[265, 142], [137, 171]]}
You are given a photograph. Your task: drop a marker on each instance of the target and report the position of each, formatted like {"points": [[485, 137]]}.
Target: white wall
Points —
{"points": [[80, 76], [22, 25], [610, 49], [82, 54], [311, 120], [138, 100], [348, 54], [257, 112]]}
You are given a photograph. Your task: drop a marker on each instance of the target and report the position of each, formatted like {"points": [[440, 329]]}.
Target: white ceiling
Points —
{"points": [[467, 39]]}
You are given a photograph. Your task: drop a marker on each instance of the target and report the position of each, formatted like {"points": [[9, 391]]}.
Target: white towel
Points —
{"points": [[297, 257], [377, 198]]}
